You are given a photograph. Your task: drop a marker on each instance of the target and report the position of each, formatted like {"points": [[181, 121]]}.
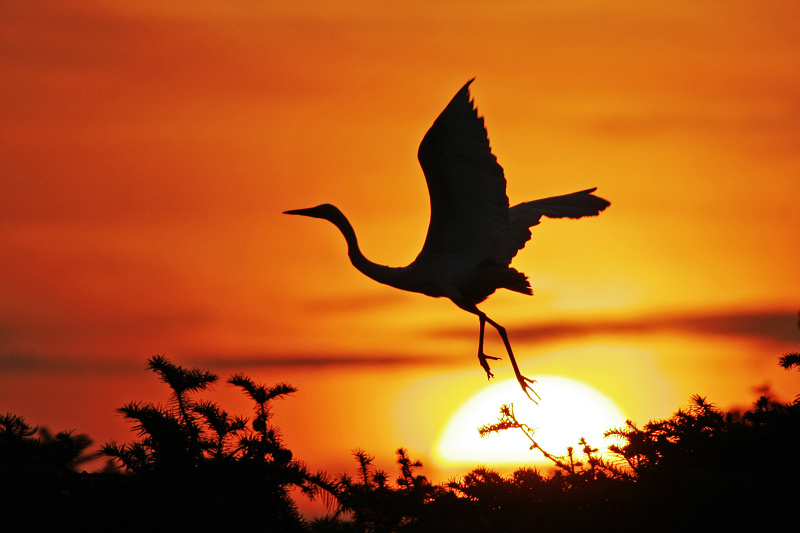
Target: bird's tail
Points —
{"points": [[514, 280], [574, 205]]}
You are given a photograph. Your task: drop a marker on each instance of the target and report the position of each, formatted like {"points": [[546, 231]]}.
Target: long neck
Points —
{"points": [[380, 273]]}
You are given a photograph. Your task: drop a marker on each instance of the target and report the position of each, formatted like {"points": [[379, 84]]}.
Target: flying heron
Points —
{"points": [[473, 233]]}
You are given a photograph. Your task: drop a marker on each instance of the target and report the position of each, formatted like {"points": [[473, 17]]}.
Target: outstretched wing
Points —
{"points": [[469, 206], [527, 214]]}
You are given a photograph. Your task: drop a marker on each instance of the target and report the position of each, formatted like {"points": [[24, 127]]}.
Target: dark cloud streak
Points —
{"points": [[319, 361], [773, 326], [29, 363], [21, 363]]}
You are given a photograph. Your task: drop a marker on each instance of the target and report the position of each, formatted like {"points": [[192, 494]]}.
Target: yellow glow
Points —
{"points": [[568, 411]]}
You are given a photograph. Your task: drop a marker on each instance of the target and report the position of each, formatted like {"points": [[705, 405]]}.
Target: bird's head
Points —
{"points": [[326, 211]]}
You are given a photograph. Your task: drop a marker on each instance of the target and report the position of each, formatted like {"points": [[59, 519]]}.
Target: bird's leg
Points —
{"points": [[482, 357], [523, 381]]}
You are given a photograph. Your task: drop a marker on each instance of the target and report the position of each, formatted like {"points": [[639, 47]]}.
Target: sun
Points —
{"points": [[567, 411]]}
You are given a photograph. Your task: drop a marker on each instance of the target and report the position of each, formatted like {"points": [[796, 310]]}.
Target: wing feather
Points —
{"points": [[528, 214], [469, 206]]}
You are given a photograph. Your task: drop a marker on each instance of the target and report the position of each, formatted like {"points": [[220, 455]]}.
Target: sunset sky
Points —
{"points": [[149, 149]]}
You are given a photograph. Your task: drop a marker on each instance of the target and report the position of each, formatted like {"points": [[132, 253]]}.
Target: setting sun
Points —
{"points": [[568, 411]]}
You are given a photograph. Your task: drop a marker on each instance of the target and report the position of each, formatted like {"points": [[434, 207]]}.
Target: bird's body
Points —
{"points": [[473, 233]]}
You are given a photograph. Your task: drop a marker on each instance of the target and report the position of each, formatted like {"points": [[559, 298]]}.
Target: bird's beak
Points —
{"points": [[321, 211]]}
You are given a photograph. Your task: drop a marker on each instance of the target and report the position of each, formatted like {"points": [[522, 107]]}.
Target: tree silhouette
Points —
{"points": [[265, 440], [372, 504], [22, 451], [172, 437], [38, 471], [208, 467], [592, 466]]}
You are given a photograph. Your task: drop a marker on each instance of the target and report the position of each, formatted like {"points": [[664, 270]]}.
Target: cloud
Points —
{"points": [[772, 326], [776, 327], [15, 362], [282, 361]]}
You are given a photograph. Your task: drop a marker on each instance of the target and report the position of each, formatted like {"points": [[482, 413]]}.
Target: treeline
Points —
{"points": [[195, 467]]}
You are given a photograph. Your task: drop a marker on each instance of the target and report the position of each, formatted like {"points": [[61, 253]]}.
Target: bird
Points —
{"points": [[473, 233]]}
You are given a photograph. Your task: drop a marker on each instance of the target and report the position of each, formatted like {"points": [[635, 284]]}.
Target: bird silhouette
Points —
{"points": [[473, 233]]}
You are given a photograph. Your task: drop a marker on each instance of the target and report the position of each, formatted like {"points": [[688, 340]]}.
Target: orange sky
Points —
{"points": [[148, 151]]}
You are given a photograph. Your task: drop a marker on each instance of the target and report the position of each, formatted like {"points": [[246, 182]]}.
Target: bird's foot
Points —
{"points": [[482, 357], [523, 382]]}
